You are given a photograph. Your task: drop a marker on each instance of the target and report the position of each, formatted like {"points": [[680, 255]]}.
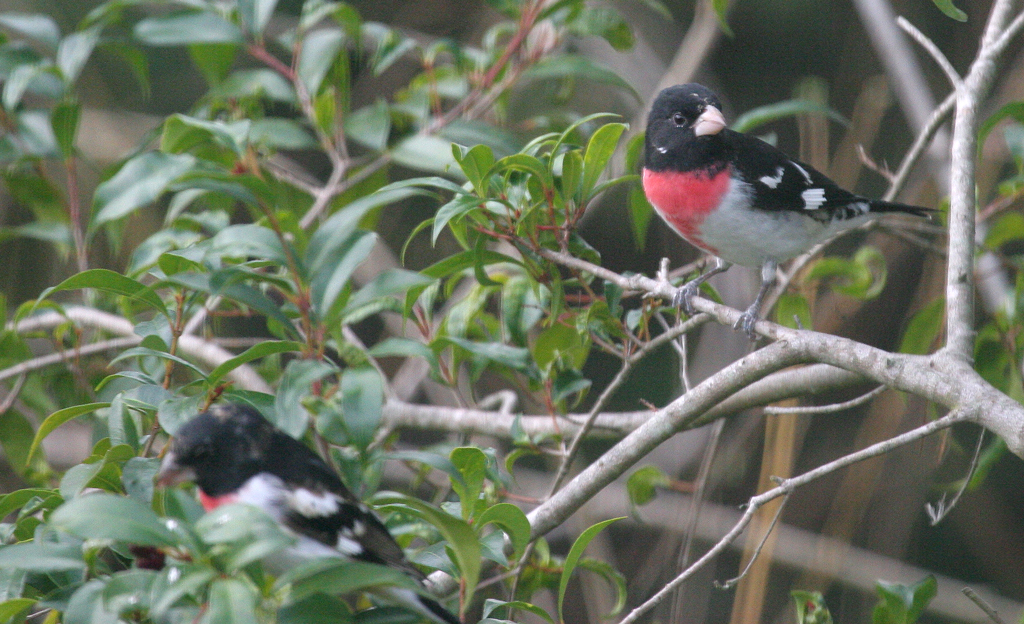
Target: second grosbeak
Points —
{"points": [[737, 197], [235, 456]]}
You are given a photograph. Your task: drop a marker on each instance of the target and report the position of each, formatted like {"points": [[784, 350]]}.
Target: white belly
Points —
{"points": [[749, 237]]}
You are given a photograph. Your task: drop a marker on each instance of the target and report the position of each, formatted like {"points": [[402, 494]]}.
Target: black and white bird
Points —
{"points": [[235, 456], [737, 197]]}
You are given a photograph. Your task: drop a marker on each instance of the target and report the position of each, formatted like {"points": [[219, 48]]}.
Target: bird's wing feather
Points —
{"points": [[781, 183]]}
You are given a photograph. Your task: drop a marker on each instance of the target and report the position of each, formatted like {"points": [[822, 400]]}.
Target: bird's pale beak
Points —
{"points": [[172, 473], [709, 122]]}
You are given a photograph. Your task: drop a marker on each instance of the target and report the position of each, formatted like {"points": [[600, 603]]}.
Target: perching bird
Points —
{"points": [[235, 456], [737, 197]]}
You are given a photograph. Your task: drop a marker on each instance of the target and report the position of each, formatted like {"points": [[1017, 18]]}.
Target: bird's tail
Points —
{"points": [[431, 609], [878, 205]]}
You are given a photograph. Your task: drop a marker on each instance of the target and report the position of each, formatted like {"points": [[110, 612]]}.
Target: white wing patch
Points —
{"points": [[773, 181], [813, 198], [311, 504]]}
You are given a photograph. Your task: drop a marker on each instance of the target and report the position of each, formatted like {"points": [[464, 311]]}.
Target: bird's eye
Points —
{"points": [[678, 119]]}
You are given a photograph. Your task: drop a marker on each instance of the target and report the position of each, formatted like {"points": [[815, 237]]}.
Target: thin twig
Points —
{"points": [[924, 138], [757, 551], [982, 604], [933, 50], [12, 395], [64, 356], [786, 486], [938, 511], [826, 409], [694, 511], [1011, 31], [627, 365]]}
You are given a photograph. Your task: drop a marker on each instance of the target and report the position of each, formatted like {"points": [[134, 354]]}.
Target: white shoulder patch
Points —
{"points": [[773, 181], [813, 198], [311, 504]]}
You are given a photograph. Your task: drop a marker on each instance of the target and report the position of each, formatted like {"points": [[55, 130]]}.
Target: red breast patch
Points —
{"points": [[684, 199], [210, 503]]}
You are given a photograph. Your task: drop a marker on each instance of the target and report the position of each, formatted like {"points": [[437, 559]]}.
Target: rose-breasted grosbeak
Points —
{"points": [[737, 197], [235, 456]]}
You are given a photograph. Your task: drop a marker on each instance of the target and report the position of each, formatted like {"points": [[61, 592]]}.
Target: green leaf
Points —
{"points": [[525, 163], [16, 436], [65, 126], [333, 576], [40, 556], [137, 476], [74, 50], [1009, 227], [388, 283], [1014, 110], [186, 580], [362, 400], [232, 601], [184, 28], [425, 152], [255, 352], [108, 516], [139, 182], [34, 26], [320, 48], [460, 536], [614, 578], [924, 328], [459, 206], [111, 282], [472, 466], [642, 485], [294, 387], [370, 125], [13, 610], [476, 164], [182, 133], [143, 352], [574, 555], [256, 14], [572, 173], [491, 605], [903, 604], [575, 66], [721, 9], [60, 417], [329, 282], [862, 276], [946, 6], [780, 110], [317, 608], [600, 148], [810, 607], [517, 358], [791, 309], [512, 521]]}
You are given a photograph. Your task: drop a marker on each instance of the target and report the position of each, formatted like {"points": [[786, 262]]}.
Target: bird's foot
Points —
{"points": [[747, 321], [683, 298]]}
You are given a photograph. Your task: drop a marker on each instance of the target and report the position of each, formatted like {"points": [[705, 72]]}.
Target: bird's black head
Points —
{"points": [[220, 449], [685, 122]]}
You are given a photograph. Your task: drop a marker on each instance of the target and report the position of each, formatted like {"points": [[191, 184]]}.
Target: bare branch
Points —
{"points": [[933, 50], [982, 604], [921, 143], [826, 409], [784, 488]]}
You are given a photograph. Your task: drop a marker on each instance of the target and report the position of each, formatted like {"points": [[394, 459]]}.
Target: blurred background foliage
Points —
{"points": [[817, 51]]}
